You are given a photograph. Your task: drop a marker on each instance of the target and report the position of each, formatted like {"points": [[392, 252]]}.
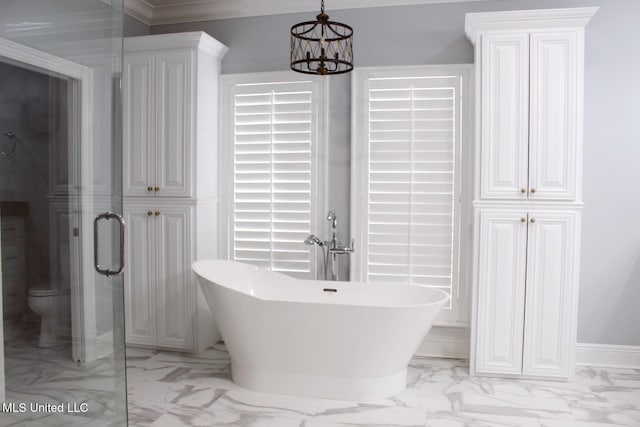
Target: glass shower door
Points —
{"points": [[62, 349]]}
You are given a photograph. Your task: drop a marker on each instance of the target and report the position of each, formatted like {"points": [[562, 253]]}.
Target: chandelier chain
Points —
{"points": [[321, 6]]}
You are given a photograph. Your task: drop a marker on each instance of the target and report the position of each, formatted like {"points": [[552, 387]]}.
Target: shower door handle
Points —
{"points": [[105, 271]]}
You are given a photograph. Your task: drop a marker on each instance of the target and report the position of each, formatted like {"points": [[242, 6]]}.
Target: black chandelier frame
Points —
{"points": [[322, 47]]}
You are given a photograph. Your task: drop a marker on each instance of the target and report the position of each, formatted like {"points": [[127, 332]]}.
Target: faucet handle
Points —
{"points": [[351, 248], [341, 250]]}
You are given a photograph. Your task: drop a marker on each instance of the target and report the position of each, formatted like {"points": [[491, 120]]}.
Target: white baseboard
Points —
{"points": [[453, 343], [605, 355], [446, 342]]}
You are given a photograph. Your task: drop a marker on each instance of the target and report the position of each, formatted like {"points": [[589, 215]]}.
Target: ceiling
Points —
{"points": [[154, 12]]}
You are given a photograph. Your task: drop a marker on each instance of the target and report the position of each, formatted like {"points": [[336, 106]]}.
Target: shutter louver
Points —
{"points": [[273, 138], [412, 134]]}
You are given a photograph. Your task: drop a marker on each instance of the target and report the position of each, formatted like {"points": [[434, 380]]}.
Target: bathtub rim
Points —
{"points": [[444, 296]]}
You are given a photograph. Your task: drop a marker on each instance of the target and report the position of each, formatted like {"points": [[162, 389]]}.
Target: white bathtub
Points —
{"points": [[298, 337]]}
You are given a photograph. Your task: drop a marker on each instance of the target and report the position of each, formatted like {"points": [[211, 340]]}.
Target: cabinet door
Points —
{"points": [[553, 151], [176, 287], [500, 290], [174, 123], [138, 92], [505, 116], [139, 276], [549, 338]]}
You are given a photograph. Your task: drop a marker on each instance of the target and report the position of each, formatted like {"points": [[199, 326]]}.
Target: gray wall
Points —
{"points": [[132, 27], [434, 34]]}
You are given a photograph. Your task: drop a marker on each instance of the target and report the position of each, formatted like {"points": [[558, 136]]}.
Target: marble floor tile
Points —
{"points": [[52, 420], [182, 416], [151, 371], [513, 405], [216, 355], [173, 389], [142, 413], [173, 373], [138, 354], [373, 415], [241, 401], [197, 390], [317, 423], [175, 394], [431, 397], [557, 423], [44, 375], [467, 419], [177, 389], [606, 412]]}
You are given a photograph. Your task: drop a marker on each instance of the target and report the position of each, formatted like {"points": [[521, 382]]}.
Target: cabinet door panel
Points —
{"points": [[176, 288], [500, 292], [174, 123], [139, 277], [505, 116], [554, 115], [551, 283], [139, 163]]}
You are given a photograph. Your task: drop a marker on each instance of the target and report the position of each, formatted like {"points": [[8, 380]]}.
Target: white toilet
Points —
{"points": [[49, 304]]}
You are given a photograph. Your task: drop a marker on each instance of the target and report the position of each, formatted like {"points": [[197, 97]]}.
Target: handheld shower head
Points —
{"points": [[313, 240]]}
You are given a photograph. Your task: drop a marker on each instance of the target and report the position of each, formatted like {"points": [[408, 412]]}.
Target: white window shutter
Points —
{"points": [[274, 141], [412, 142]]}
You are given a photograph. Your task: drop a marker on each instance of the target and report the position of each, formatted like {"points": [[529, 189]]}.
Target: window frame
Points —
{"points": [[319, 166], [458, 315]]}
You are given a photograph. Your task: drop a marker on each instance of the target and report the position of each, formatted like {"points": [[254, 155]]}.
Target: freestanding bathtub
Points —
{"points": [[339, 340]]}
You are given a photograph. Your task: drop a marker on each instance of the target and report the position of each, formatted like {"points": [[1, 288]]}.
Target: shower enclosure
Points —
{"points": [[61, 340]]}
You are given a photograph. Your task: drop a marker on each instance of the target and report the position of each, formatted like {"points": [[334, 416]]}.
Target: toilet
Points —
{"points": [[49, 304]]}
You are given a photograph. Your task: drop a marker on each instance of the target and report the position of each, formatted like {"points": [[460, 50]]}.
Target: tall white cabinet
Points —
{"points": [[528, 190], [170, 96]]}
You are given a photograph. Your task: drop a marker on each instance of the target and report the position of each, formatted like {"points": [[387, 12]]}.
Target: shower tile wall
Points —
{"points": [[24, 110], [14, 257]]}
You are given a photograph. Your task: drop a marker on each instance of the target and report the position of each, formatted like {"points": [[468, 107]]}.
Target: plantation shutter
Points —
{"points": [[274, 139], [413, 133]]}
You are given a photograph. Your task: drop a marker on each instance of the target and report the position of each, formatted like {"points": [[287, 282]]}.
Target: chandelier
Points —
{"points": [[322, 46]]}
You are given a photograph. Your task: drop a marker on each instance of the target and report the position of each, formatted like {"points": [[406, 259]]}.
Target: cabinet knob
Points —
{"points": [[149, 213], [157, 213], [533, 220], [533, 190], [523, 190], [523, 219], [149, 188], [156, 189]]}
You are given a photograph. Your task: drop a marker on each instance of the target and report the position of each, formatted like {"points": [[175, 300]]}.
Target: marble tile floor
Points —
{"points": [[172, 390], [50, 376]]}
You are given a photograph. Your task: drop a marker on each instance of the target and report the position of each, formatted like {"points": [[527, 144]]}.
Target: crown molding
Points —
{"points": [[208, 10], [193, 39], [140, 10], [477, 23]]}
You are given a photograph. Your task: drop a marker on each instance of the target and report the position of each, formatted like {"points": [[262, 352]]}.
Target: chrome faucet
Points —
{"points": [[314, 240], [333, 247], [332, 217]]}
